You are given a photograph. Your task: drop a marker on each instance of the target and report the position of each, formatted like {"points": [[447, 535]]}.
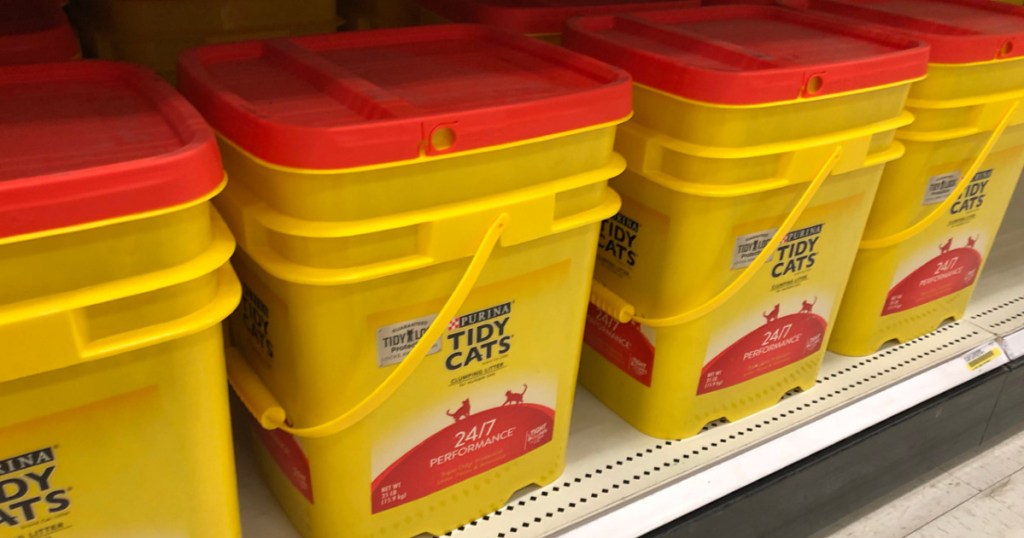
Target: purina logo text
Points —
{"points": [[798, 251], [479, 336]]}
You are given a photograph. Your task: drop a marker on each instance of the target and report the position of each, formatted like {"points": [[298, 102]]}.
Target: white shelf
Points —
{"points": [[619, 482]]}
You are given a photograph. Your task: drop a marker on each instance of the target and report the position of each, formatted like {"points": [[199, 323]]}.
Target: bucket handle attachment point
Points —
{"points": [[965, 180], [271, 415], [442, 138], [605, 299], [814, 84]]}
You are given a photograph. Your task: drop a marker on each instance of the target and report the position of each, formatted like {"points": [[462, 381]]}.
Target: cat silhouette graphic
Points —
{"points": [[514, 398], [461, 413], [773, 315], [944, 248]]}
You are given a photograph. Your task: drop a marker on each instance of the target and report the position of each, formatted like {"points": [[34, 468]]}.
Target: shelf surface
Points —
{"points": [[619, 482]]}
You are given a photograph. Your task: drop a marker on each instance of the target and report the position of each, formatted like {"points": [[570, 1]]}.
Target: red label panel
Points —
{"points": [[475, 443], [622, 344], [777, 343], [949, 272], [289, 457]]}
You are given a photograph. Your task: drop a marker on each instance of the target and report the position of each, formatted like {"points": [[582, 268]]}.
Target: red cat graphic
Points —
{"points": [[514, 398], [971, 241], [773, 315], [944, 248], [461, 413], [806, 308]]}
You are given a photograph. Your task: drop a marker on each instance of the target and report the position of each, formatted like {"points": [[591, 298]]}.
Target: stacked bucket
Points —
{"points": [[542, 20], [939, 207], [154, 32], [417, 212], [34, 31], [756, 147], [373, 14], [115, 281]]}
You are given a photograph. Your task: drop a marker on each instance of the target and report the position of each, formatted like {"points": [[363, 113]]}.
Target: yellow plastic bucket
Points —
{"points": [[34, 32], [930, 228], [410, 329], [113, 386], [540, 20], [153, 32], [111, 311], [407, 449], [716, 283], [160, 52], [372, 14], [141, 17]]}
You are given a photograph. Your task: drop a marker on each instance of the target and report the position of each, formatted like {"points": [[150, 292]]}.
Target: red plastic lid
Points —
{"points": [[747, 54], [88, 140], [959, 31], [362, 98], [540, 16], [34, 31]]}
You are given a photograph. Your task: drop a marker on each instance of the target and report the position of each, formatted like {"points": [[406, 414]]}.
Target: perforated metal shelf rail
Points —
{"points": [[620, 482]]}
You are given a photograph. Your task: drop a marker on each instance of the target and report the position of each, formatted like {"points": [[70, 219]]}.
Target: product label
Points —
{"points": [[952, 260], [748, 246], [489, 411], [95, 459], [395, 341], [797, 253], [939, 187], [973, 197], [736, 353], [475, 441], [980, 357], [617, 244], [32, 498], [479, 337], [954, 268], [289, 456], [782, 340], [623, 344]]}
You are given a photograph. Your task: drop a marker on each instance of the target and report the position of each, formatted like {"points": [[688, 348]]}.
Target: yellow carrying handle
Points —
{"points": [[271, 415], [965, 179], [607, 300]]}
